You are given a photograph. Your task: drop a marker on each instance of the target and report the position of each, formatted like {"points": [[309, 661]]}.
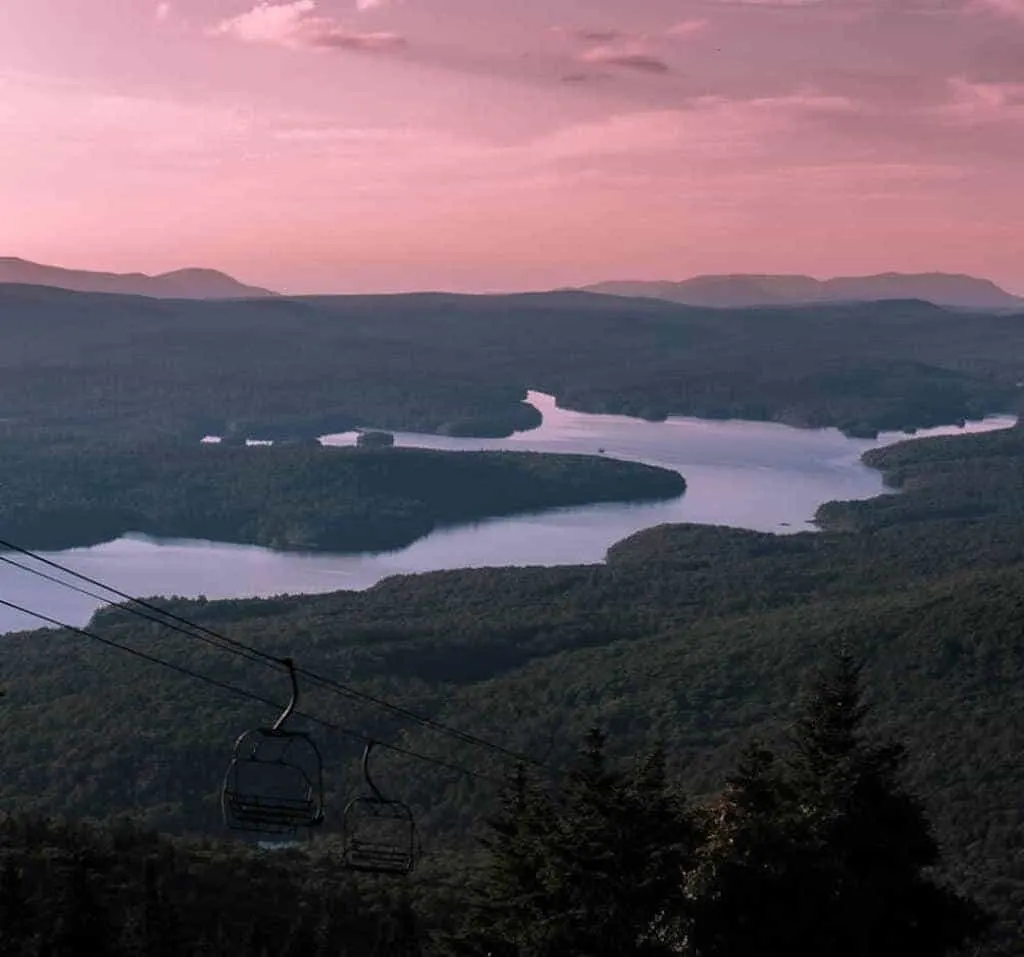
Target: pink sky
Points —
{"points": [[382, 145]]}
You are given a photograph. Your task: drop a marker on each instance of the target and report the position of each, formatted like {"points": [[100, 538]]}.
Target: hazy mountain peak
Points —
{"points": [[193, 271], [189, 283], [954, 290]]}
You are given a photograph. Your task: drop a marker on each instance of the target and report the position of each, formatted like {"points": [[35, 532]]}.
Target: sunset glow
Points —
{"points": [[368, 145]]}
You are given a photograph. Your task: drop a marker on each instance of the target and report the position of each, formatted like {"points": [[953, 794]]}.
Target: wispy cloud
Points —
{"points": [[712, 127], [616, 49], [773, 3], [973, 103], [1007, 8], [602, 36], [610, 35], [583, 76], [686, 28], [337, 38], [82, 124], [611, 56], [296, 25], [268, 22]]}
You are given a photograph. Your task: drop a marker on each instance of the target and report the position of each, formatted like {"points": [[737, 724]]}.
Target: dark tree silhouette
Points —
{"points": [[827, 853], [875, 842], [753, 886], [595, 869]]}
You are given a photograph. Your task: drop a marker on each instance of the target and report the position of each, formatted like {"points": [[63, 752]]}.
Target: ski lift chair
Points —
{"points": [[379, 835], [274, 784]]}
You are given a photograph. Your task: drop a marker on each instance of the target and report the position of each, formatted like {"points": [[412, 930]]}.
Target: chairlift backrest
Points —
{"points": [[379, 835], [274, 784]]}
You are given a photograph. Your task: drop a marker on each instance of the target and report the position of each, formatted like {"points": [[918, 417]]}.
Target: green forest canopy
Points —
{"points": [[130, 368], [692, 637], [305, 497], [817, 849]]}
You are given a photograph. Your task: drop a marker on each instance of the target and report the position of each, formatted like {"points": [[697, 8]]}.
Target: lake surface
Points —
{"points": [[753, 475]]}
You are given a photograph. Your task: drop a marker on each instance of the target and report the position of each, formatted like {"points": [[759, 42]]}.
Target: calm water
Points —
{"points": [[746, 474]]}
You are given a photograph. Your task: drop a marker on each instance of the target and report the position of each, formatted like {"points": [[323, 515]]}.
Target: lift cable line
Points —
{"points": [[259, 659], [237, 647], [152, 659], [464, 736], [250, 695], [252, 654]]}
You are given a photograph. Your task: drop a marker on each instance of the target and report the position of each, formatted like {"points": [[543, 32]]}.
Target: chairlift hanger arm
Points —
{"points": [[293, 703], [366, 771]]}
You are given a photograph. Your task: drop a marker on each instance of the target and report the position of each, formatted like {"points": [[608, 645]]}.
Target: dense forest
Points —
{"points": [[291, 497], [84, 365], [69, 890], [692, 638], [817, 849]]}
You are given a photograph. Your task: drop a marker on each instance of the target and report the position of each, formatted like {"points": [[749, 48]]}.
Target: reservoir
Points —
{"points": [[754, 475]]}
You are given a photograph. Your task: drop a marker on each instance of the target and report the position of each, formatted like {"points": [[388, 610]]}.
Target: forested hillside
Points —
{"points": [[694, 637], [815, 848], [87, 365]]}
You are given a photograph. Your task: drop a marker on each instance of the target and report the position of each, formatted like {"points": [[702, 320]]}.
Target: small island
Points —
{"points": [[294, 497], [375, 440]]}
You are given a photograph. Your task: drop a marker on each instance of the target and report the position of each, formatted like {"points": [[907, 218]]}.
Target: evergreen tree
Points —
{"points": [[827, 853], [595, 869], [753, 890], [873, 841]]}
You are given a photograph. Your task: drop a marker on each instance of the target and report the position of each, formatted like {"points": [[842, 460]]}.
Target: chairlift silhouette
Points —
{"points": [[274, 784], [379, 835]]}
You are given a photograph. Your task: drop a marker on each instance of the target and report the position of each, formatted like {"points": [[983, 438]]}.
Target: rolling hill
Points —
{"points": [[129, 368]]}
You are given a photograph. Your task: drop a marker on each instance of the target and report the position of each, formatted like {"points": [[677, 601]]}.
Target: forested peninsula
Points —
{"points": [[292, 497]]}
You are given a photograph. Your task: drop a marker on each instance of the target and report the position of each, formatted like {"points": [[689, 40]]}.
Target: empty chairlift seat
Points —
{"points": [[379, 834], [274, 784]]}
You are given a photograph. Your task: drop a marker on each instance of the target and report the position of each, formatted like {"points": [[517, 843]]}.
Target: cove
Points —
{"points": [[754, 475]]}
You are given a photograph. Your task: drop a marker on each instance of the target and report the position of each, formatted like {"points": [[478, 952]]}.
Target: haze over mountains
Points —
{"points": [[727, 291], [180, 284], [739, 291]]}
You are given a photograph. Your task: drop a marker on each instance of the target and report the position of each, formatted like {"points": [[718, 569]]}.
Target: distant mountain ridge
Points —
{"points": [[743, 290], [190, 283]]}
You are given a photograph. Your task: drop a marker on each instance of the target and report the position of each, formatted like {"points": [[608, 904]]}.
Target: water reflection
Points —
{"points": [[751, 475]]}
